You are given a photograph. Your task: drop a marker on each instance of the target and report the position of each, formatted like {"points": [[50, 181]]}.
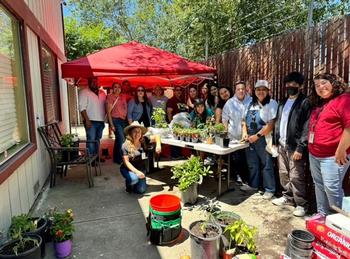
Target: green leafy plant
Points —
{"points": [[225, 217], [159, 118], [67, 140], [242, 234], [189, 172], [22, 224], [23, 243], [219, 128], [62, 224]]}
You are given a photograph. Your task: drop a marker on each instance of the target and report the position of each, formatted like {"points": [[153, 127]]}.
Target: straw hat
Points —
{"points": [[135, 124]]}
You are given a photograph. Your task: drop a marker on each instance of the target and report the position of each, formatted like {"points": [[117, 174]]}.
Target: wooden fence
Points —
{"points": [[323, 48]]}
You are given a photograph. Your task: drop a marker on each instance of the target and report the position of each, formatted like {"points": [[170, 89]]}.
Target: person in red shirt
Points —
{"points": [[175, 104], [117, 109], [126, 90], [329, 140]]}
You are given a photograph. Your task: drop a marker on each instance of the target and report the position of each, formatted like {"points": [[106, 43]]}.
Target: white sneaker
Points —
{"points": [[239, 180], [246, 187], [267, 196], [299, 211], [282, 201]]}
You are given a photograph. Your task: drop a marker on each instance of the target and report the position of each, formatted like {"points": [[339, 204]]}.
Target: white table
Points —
{"points": [[210, 148]]}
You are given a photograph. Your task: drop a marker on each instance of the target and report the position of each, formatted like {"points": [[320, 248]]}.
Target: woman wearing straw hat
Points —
{"points": [[134, 156]]}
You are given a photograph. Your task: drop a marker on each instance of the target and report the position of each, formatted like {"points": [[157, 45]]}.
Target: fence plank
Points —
{"points": [[324, 48]]}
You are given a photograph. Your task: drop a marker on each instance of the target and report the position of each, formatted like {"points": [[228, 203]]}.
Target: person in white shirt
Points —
{"points": [[232, 117], [291, 137], [257, 125], [93, 110]]}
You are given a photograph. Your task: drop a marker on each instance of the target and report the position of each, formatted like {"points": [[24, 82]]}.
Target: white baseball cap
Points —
{"points": [[261, 83]]}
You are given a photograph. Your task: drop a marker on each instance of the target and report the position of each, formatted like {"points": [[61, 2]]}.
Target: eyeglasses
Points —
{"points": [[140, 90], [178, 90]]}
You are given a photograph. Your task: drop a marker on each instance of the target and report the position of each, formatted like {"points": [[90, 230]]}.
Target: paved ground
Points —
{"points": [[110, 223]]}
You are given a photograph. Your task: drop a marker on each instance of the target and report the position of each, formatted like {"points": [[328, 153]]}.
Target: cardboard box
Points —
{"points": [[339, 223], [331, 238], [321, 251]]}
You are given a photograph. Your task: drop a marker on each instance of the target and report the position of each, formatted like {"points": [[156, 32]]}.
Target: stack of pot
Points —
{"points": [[299, 244], [164, 219]]}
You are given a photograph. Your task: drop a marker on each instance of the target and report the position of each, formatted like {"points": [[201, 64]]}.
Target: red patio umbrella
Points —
{"points": [[138, 63]]}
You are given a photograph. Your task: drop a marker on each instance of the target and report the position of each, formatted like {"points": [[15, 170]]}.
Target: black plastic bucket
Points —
{"points": [[164, 220], [299, 244]]}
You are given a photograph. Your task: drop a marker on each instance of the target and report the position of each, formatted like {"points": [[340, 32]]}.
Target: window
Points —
{"points": [[14, 132], [50, 85]]}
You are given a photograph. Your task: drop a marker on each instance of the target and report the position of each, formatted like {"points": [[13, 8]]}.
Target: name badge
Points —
{"points": [[143, 156], [311, 137]]}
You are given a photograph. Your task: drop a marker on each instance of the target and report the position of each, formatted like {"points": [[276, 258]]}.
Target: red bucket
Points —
{"points": [[165, 203]]}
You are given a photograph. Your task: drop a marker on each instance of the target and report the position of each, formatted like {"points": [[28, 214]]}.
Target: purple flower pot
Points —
{"points": [[63, 249]]}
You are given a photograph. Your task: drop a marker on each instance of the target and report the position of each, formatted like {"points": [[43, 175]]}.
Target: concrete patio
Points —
{"points": [[110, 223]]}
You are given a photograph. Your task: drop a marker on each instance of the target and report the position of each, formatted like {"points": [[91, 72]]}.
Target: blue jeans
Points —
{"points": [[131, 180], [328, 178], [119, 125], [259, 160], [94, 133]]}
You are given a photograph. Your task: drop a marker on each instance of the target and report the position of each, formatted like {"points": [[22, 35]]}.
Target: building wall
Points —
{"points": [[19, 191]]}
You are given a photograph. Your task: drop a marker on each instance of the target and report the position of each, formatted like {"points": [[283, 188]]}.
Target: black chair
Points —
{"points": [[62, 157]]}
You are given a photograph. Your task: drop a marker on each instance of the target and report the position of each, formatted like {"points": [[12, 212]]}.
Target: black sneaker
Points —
{"points": [[128, 189]]}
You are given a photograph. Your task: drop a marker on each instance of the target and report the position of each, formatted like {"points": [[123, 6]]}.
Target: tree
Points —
{"points": [[186, 26], [82, 39]]}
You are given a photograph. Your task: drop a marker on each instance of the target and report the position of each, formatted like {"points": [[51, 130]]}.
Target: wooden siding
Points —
{"points": [[48, 12], [19, 191]]}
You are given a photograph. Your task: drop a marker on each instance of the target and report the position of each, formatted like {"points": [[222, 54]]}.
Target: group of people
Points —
{"points": [[299, 130]]}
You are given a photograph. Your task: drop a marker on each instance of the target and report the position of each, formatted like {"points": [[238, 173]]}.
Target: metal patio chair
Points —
{"points": [[51, 135]]}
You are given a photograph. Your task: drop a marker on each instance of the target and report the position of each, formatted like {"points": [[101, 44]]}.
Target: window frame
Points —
{"points": [[59, 109], [10, 165]]}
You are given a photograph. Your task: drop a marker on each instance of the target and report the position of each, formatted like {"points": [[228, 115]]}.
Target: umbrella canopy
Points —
{"points": [[137, 62]]}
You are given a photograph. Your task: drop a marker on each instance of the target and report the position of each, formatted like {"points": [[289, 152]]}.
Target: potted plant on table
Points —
{"points": [[195, 135], [62, 232], [189, 175], [221, 135], [241, 239], [69, 140], [24, 224], [160, 125], [23, 246]]}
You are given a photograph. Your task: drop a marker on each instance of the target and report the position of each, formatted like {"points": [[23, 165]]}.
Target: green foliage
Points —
{"points": [[67, 140], [158, 116], [189, 172], [21, 224], [183, 26], [219, 128], [210, 207], [22, 243], [62, 226], [86, 38], [242, 235]]}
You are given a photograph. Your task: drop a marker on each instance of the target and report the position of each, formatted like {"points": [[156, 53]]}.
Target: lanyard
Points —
{"points": [[318, 117]]}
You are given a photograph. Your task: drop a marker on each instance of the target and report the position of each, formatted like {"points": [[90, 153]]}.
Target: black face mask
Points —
{"points": [[292, 91]]}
